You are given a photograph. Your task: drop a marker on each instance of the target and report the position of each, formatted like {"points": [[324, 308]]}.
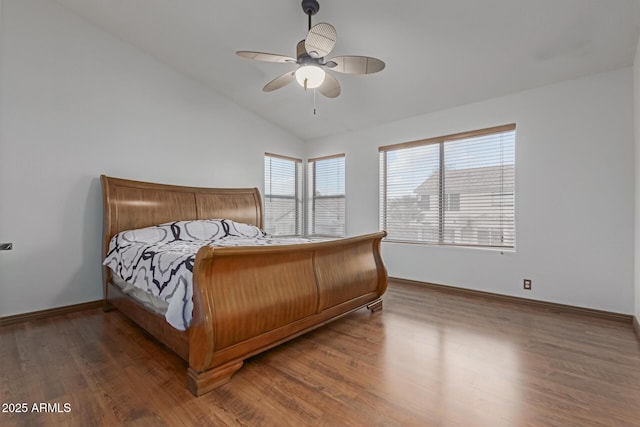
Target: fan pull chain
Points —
{"points": [[314, 101]]}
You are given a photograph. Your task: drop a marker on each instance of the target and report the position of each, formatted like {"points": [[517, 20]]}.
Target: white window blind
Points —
{"points": [[326, 196], [282, 195], [451, 190]]}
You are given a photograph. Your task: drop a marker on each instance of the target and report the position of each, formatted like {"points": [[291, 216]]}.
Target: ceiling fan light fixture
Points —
{"points": [[314, 71], [310, 76]]}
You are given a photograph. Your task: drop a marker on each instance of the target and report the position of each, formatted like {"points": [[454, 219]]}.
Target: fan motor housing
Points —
{"points": [[301, 52]]}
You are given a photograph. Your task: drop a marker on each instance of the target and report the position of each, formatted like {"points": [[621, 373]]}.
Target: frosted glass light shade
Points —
{"points": [[313, 75]]}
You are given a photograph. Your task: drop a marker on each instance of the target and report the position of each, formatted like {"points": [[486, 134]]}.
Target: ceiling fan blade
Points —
{"points": [[355, 64], [320, 40], [264, 57], [330, 88], [280, 81]]}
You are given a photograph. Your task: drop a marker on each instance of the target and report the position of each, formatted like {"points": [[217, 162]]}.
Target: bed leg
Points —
{"points": [[375, 305], [200, 383]]}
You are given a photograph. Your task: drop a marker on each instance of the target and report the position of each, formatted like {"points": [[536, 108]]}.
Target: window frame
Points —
{"points": [[443, 201], [312, 198], [298, 194]]}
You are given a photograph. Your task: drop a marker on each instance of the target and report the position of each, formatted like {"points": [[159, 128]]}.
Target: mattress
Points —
{"points": [[146, 299]]}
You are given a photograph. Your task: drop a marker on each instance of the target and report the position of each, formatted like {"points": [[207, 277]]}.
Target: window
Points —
{"points": [[499, 199], [452, 202], [424, 201], [451, 190], [283, 195], [326, 196]]}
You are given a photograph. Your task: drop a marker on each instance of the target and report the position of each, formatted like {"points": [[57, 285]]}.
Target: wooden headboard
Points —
{"points": [[134, 204]]}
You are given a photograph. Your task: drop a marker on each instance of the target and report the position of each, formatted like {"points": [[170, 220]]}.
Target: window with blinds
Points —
{"points": [[326, 196], [282, 195], [451, 190]]}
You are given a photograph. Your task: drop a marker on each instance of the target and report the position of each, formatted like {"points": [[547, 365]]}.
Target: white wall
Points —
{"points": [[574, 194], [76, 103]]}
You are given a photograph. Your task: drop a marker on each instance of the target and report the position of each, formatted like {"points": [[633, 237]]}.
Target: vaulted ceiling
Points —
{"points": [[438, 53]]}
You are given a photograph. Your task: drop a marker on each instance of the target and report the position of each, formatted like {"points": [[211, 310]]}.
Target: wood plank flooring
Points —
{"points": [[429, 358]]}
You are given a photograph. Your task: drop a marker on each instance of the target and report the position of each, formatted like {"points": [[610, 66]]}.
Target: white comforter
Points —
{"points": [[159, 259]]}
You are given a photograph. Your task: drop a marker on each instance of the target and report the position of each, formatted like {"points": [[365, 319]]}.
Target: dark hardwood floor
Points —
{"points": [[429, 358]]}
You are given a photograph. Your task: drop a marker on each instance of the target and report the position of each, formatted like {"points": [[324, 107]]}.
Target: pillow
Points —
{"points": [[210, 229], [244, 230], [149, 235], [200, 229], [190, 231]]}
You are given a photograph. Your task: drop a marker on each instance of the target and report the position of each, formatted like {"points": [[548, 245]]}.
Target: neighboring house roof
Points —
{"points": [[473, 180]]}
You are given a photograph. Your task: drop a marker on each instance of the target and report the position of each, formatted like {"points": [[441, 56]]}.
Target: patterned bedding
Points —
{"points": [[159, 260]]}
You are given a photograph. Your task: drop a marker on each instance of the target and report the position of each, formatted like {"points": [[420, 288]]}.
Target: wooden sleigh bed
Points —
{"points": [[246, 299]]}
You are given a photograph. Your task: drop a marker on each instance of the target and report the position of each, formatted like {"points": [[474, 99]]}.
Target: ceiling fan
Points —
{"points": [[312, 71]]}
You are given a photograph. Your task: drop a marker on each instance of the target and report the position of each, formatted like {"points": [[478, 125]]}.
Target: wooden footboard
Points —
{"points": [[249, 299]]}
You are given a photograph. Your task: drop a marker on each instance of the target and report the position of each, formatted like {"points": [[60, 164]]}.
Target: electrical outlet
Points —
{"points": [[527, 284]]}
